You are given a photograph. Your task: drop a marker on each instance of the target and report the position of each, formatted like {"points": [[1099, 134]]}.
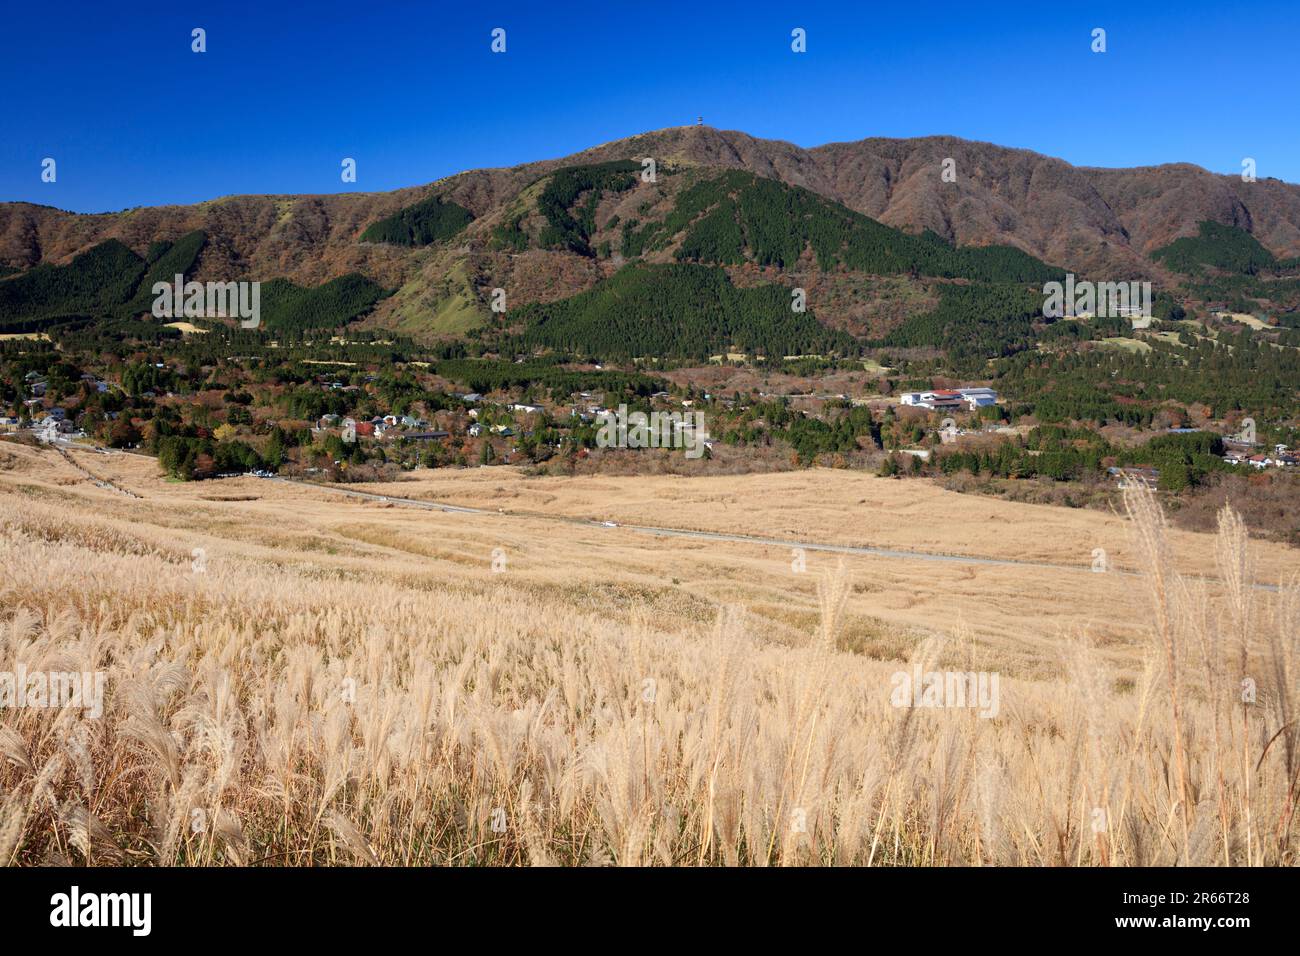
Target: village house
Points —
{"points": [[1276, 459], [943, 401]]}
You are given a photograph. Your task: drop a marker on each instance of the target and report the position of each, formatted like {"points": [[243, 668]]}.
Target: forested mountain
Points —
{"points": [[737, 217], [109, 281], [762, 211], [1079, 217], [95, 282]]}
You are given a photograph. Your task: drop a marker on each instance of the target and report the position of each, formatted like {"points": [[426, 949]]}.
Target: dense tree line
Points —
{"points": [[1071, 454], [428, 221], [330, 305], [1218, 246], [166, 260], [678, 310], [112, 284], [490, 376], [810, 437], [564, 229], [1249, 294], [1237, 373], [141, 377], [737, 217], [101, 278], [308, 403], [974, 322]]}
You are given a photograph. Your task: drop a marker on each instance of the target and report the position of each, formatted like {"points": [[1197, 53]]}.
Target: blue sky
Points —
{"points": [[411, 90]]}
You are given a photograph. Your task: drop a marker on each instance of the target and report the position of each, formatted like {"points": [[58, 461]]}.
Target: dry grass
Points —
{"points": [[364, 689]]}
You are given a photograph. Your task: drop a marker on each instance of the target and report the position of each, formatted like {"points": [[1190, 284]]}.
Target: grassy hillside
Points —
{"points": [[692, 701]]}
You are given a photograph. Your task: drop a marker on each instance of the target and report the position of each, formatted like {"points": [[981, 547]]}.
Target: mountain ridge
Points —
{"points": [[1097, 221]]}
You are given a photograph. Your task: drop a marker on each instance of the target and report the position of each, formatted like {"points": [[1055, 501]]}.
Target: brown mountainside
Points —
{"points": [[1096, 221]]}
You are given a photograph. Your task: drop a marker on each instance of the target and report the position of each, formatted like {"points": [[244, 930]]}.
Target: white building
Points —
{"points": [[978, 397], [974, 398]]}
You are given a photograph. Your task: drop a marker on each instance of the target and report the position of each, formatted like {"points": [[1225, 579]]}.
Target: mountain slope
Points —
{"points": [[1105, 223]]}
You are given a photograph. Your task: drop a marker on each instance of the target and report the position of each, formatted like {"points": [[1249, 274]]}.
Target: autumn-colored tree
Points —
{"points": [[123, 434]]}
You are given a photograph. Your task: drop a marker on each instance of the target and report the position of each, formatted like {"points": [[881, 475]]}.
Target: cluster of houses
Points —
{"points": [[50, 429], [51, 424], [382, 426], [587, 409], [956, 399], [36, 384], [47, 424], [1239, 453], [1235, 453], [419, 429]]}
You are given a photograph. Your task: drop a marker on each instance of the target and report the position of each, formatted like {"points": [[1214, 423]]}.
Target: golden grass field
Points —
{"points": [[296, 677]]}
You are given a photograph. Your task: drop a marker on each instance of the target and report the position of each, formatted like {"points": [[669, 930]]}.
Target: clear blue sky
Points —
{"points": [[412, 91]]}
